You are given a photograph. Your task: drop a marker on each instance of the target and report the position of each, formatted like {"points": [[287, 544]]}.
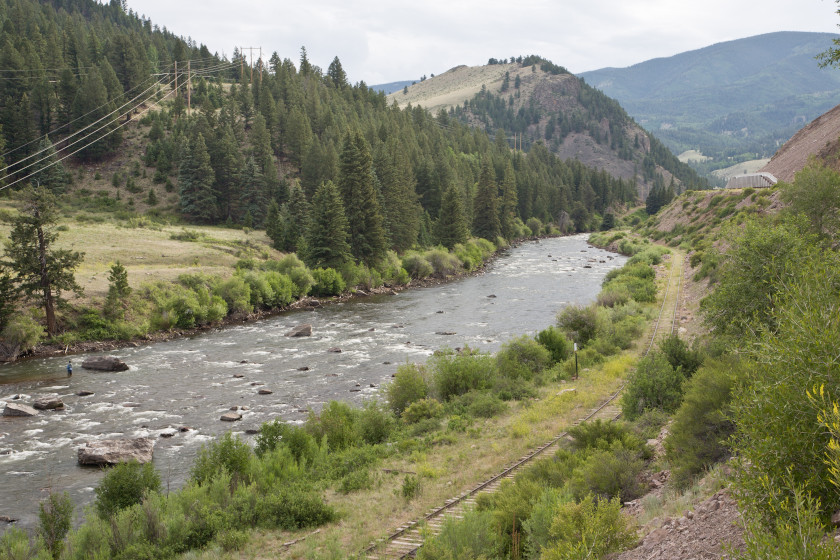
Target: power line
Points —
{"points": [[156, 104], [81, 130], [141, 84]]}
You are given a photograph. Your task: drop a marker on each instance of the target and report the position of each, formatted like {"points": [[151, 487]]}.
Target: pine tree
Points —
{"points": [[91, 105], [510, 203], [361, 201], [402, 212], [195, 183], [328, 231], [293, 218], [451, 227], [485, 213], [40, 271], [272, 224], [252, 194], [262, 152]]}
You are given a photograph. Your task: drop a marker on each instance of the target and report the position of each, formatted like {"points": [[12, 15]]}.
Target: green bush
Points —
{"points": [[282, 287], [592, 528], [579, 323], [680, 356], [702, 426], [124, 485], [535, 225], [486, 405], [537, 527], [473, 536], [553, 340], [54, 515], [654, 384], [424, 409], [236, 293], [16, 545], [522, 358], [409, 385], [292, 507], [336, 422], [609, 473], [22, 332], [444, 263], [328, 282], [374, 423], [410, 487], [417, 266], [227, 454], [456, 373]]}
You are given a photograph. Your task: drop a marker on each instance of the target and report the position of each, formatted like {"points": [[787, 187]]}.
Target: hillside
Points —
{"points": [[533, 100], [747, 95], [820, 139]]}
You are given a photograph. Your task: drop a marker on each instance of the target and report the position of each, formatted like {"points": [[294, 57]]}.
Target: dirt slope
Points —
{"points": [[820, 138]]}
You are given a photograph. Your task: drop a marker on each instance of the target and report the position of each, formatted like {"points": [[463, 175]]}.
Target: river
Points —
{"points": [[191, 382]]}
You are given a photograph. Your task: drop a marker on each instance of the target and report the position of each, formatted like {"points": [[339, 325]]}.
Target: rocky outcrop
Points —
{"points": [[48, 403], [113, 451], [18, 409], [104, 363], [300, 330]]}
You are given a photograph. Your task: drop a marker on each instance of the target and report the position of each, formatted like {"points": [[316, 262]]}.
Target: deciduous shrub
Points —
{"points": [[654, 384], [424, 409], [699, 435], [124, 485], [417, 265], [456, 373], [409, 385], [227, 454], [553, 340], [592, 528], [579, 323], [522, 358], [328, 282], [336, 422]]}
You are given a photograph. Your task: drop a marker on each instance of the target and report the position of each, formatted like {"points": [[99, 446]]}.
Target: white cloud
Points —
{"points": [[380, 42]]}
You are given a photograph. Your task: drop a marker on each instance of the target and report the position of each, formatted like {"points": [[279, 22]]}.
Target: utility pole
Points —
{"points": [[251, 49], [189, 87], [176, 78]]}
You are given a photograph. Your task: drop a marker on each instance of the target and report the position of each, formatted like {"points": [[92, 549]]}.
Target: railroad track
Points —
{"points": [[407, 539]]}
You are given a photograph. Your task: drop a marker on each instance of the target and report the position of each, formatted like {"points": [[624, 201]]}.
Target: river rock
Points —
{"points": [[7, 519], [300, 330], [334, 350], [230, 417], [18, 409], [264, 392], [48, 403], [104, 363], [113, 451], [304, 368], [84, 393], [445, 333]]}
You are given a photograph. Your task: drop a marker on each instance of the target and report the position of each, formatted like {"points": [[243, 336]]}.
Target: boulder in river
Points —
{"points": [[18, 409], [300, 330], [334, 350], [113, 451], [84, 393], [230, 417], [104, 363], [264, 392], [48, 403]]}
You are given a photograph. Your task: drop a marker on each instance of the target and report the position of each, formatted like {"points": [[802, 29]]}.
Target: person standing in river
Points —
{"points": [[69, 368]]}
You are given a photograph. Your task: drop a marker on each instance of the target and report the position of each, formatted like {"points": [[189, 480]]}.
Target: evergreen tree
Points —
{"points": [[195, 183], [402, 212], [336, 74], [361, 201], [294, 215], [252, 194], [227, 162], [451, 227], [91, 105], [328, 231], [41, 272], [50, 172], [510, 203], [262, 152], [118, 290], [485, 213], [273, 226]]}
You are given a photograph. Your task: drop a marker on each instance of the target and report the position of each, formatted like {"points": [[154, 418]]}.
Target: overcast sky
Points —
{"points": [[379, 41]]}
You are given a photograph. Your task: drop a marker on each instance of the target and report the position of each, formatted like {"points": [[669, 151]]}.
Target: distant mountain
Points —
{"points": [[748, 95], [532, 100], [391, 87]]}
